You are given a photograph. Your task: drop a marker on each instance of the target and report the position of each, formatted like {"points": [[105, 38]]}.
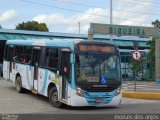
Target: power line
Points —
{"points": [[79, 4], [152, 14], [28, 1], [139, 3], [103, 7], [76, 11], [155, 3]]}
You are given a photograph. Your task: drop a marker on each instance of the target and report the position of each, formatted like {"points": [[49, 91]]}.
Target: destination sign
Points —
{"points": [[97, 48]]}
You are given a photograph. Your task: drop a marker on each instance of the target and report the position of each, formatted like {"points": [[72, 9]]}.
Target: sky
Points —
{"points": [[65, 15]]}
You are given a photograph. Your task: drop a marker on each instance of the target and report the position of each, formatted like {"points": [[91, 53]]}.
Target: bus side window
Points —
{"points": [[23, 54], [10, 53], [51, 59], [18, 56], [6, 52], [27, 54]]}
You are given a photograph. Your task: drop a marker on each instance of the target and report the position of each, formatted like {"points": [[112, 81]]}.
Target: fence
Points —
{"points": [[139, 70]]}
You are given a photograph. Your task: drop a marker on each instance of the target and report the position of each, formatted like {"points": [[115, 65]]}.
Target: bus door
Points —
{"points": [[8, 65], [65, 73], [35, 63]]}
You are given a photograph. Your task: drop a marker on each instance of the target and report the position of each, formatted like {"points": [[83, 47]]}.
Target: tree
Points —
{"points": [[136, 67], [0, 27], [156, 24], [32, 25], [151, 54]]}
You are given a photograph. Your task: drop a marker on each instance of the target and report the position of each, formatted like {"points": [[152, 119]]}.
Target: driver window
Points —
{"points": [[111, 63]]}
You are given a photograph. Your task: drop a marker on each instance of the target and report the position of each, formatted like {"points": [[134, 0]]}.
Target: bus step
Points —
{"points": [[34, 91], [63, 100]]}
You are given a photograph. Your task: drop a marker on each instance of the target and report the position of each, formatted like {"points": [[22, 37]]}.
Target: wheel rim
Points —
{"points": [[54, 98], [17, 85]]}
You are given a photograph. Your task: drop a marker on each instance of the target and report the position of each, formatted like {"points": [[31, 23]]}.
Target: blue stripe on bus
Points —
{"points": [[45, 82]]}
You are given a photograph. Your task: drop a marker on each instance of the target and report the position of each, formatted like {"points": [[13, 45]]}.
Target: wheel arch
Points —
{"points": [[18, 74], [51, 85]]}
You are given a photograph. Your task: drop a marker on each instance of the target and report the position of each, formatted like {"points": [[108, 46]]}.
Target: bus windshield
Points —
{"points": [[97, 68]]}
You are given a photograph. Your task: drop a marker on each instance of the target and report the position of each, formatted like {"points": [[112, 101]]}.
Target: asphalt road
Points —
{"points": [[13, 102]]}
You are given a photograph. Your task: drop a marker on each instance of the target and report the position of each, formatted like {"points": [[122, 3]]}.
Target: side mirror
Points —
{"points": [[58, 73]]}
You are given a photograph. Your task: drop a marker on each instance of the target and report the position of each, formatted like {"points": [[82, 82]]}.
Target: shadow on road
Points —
{"points": [[87, 108], [64, 107]]}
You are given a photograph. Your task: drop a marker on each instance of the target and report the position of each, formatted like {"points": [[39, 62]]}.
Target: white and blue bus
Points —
{"points": [[71, 72]]}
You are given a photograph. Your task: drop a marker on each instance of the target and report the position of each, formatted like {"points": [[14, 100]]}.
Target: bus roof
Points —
{"points": [[56, 42]]}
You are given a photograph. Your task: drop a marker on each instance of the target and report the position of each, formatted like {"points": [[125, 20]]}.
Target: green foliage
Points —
{"points": [[32, 25], [151, 57], [137, 66], [156, 24], [151, 54], [0, 27]]}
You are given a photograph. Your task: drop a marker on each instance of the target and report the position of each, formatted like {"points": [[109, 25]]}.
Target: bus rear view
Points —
{"points": [[97, 75]]}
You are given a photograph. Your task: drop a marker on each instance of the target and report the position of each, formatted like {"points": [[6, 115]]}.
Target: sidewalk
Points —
{"points": [[142, 95], [144, 90]]}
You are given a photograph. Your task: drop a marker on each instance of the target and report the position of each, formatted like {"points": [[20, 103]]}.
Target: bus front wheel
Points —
{"points": [[19, 88], [53, 98]]}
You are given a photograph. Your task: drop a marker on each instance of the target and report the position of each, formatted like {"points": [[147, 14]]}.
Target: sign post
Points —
{"points": [[136, 45], [136, 56]]}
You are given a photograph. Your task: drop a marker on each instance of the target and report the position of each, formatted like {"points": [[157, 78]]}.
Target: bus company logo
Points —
{"points": [[50, 77], [96, 86]]}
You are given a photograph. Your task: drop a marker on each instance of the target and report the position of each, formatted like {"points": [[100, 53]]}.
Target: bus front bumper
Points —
{"points": [[104, 101]]}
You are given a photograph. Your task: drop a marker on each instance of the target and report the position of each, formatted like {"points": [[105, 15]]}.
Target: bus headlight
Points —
{"points": [[80, 92], [118, 91]]}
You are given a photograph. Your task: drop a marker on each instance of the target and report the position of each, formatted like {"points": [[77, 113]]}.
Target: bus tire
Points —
{"points": [[53, 98], [18, 83]]}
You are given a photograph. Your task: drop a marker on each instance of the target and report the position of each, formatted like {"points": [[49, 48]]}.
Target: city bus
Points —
{"points": [[71, 72]]}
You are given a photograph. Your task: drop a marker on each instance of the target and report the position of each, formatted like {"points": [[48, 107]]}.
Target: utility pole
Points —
{"points": [[79, 27], [111, 22]]}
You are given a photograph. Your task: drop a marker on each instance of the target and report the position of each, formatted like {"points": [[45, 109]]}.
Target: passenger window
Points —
{"points": [[6, 52], [10, 53], [51, 59], [23, 54], [19, 50], [27, 50]]}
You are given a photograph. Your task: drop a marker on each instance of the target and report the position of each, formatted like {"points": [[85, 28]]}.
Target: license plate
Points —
{"points": [[99, 100]]}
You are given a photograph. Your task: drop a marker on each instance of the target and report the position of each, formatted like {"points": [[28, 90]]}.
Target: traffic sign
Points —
{"points": [[136, 55]]}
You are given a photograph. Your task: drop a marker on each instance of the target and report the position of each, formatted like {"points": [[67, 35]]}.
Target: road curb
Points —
{"points": [[142, 95]]}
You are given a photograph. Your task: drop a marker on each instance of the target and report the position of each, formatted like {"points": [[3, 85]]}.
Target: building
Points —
{"points": [[125, 44]]}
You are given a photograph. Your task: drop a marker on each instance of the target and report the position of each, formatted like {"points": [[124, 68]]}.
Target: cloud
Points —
{"points": [[64, 0], [137, 18], [72, 22], [97, 15], [8, 15], [51, 19]]}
